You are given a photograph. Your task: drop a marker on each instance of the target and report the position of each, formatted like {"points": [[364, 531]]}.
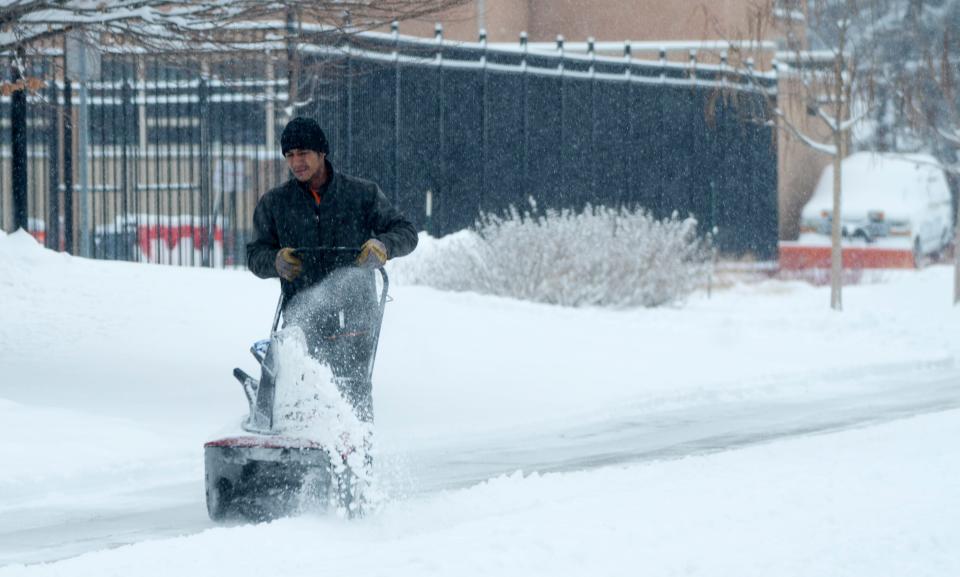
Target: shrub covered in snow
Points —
{"points": [[597, 257]]}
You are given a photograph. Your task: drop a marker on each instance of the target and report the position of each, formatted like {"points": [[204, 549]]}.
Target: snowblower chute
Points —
{"points": [[266, 472]]}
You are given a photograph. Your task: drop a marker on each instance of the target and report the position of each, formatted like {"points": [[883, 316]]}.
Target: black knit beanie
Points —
{"points": [[303, 133]]}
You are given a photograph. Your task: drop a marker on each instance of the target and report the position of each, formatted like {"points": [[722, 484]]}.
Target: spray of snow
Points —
{"points": [[309, 405]]}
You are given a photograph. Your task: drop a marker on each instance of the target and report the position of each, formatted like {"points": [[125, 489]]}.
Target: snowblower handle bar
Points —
{"points": [[276, 315], [327, 250], [334, 249], [300, 252]]}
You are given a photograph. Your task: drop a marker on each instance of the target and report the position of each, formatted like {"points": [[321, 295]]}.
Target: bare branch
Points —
{"points": [[193, 22], [827, 149], [848, 124], [953, 136], [830, 121]]}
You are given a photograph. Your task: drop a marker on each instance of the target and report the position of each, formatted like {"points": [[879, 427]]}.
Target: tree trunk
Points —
{"points": [[836, 249], [841, 96], [956, 258]]}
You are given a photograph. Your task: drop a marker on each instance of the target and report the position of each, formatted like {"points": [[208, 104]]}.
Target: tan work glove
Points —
{"points": [[288, 264], [373, 254]]}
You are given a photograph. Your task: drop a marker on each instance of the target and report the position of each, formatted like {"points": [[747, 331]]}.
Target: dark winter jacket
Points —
{"points": [[351, 212]]}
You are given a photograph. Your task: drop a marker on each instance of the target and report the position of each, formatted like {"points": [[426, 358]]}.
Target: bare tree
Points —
{"points": [[181, 26], [833, 85], [931, 92], [826, 92], [176, 28], [166, 23]]}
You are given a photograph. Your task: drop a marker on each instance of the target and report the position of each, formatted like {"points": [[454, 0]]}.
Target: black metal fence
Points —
{"points": [[179, 149]]}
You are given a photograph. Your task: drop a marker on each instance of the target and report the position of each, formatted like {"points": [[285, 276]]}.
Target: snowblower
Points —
{"points": [[267, 472]]}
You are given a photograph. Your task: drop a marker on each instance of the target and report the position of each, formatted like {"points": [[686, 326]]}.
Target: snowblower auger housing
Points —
{"points": [[265, 474]]}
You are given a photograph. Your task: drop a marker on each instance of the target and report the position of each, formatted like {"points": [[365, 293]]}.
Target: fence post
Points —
{"points": [[663, 64], [126, 96], [68, 165], [593, 121], [688, 135], [18, 147], [86, 240], [269, 109], [631, 145], [53, 168], [349, 50], [718, 173], [395, 31], [206, 251], [723, 68], [563, 113], [525, 184], [436, 199], [483, 119], [293, 58], [661, 180]]}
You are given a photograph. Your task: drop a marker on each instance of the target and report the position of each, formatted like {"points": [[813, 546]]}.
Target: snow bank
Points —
{"points": [[599, 256], [114, 375], [880, 501], [60, 444]]}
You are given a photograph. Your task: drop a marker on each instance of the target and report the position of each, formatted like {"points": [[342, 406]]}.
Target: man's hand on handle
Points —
{"points": [[288, 264], [373, 254]]}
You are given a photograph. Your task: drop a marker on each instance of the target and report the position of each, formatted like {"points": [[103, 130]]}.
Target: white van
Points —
{"points": [[888, 200]]}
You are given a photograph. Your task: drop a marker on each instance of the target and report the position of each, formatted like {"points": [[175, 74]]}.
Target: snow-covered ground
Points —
{"points": [[754, 432]]}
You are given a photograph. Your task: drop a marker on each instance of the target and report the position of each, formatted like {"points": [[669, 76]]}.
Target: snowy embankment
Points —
{"points": [[114, 374], [880, 502]]}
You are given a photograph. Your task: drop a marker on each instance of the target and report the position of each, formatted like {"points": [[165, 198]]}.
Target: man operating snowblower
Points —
{"points": [[319, 227], [324, 234]]}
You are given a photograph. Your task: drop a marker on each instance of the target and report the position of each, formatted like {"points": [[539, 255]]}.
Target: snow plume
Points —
{"points": [[597, 257], [344, 289], [309, 405]]}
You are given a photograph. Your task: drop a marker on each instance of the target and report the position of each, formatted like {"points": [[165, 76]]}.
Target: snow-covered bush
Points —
{"points": [[597, 257]]}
